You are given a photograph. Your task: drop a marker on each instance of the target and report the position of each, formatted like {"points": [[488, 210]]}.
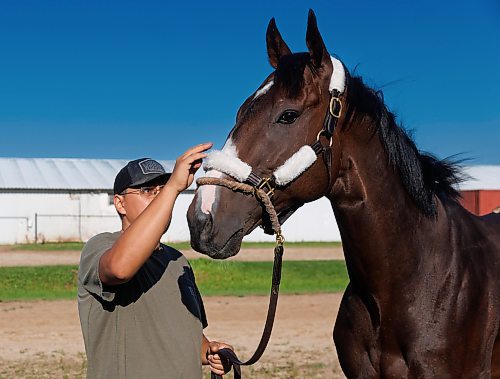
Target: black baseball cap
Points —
{"points": [[139, 172]]}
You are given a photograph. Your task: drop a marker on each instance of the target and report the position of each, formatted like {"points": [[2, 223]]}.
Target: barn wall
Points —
{"points": [[74, 217], [313, 222], [60, 216], [480, 202], [470, 201], [488, 201]]}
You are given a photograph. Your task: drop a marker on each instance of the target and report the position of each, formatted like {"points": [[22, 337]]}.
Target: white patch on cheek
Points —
{"points": [[208, 194]]}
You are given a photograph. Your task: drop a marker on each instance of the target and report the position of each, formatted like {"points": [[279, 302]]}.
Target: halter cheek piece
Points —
{"points": [[263, 189]]}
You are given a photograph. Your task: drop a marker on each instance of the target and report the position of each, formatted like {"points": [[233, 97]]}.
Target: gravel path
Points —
{"points": [[9, 258], [43, 338]]}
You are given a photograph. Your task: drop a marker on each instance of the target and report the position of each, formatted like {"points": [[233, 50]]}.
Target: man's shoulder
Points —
{"points": [[175, 254], [101, 239], [170, 249]]}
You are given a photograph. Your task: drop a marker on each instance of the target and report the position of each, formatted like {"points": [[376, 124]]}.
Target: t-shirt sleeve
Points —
{"points": [[88, 272]]}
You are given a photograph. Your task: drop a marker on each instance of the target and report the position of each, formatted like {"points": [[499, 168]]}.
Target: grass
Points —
{"points": [[61, 246], [254, 278], [48, 246], [34, 283], [226, 278]]}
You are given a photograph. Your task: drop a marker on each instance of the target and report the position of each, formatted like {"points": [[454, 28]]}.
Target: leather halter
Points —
{"points": [[332, 117], [268, 185]]}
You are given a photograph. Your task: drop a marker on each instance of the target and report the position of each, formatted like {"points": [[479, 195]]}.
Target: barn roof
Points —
{"points": [[481, 178], [99, 174], [62, 173]]}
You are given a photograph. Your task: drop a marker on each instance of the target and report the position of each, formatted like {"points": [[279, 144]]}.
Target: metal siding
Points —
{"points": [[488, 201], [469, 201], [481, 178], [58, 219], [480, 202]]}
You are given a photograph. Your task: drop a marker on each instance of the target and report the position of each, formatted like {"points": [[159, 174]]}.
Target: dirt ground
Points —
{"points": [[42, 339]]}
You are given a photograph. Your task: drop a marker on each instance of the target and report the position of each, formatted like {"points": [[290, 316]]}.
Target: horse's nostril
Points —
{"points": [[208, 222], [203, 219], [201, 224]]}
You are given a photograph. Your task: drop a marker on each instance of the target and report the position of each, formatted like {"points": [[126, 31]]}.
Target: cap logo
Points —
{"points": [[150, 166]]}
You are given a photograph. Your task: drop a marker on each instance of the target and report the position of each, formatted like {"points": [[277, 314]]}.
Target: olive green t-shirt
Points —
{"points": [[149, 327]]}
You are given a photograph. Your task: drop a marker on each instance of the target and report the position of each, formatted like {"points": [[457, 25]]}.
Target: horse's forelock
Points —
{"points": [[290, 73]]}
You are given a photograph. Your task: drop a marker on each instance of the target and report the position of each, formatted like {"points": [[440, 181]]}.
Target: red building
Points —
{"points": [[481, 192]]}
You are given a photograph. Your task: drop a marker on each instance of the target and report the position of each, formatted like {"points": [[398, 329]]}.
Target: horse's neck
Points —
{"points": [[376, 217]]}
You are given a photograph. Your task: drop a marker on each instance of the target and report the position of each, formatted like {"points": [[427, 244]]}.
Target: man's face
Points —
{"points": [[133, 201]]}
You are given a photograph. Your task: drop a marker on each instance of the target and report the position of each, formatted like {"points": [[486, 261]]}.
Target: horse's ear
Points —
{"points": [[276, 47], [314, 41]]}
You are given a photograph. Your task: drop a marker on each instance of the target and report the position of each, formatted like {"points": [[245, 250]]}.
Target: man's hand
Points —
{"points": [[217, 365], [186, 166]]}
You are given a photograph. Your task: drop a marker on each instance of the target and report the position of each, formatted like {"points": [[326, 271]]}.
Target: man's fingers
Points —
{"points": [[215, 360], [216, 371], [217, 364], [198, 148], [194, 157], [222, 345]]}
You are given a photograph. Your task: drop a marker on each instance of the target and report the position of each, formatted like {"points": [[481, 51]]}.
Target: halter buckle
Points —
{"points": [[265, 184], [335, 107]]}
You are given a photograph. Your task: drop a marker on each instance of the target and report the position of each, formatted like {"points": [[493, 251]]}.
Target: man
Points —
{"points": [[140, 310]]}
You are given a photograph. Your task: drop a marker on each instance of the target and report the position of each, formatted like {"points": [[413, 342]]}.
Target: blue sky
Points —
{"points": [[95, 79]]}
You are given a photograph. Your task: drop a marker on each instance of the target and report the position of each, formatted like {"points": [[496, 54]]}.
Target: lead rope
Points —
{"points": [[329, 124], [261, 195]]}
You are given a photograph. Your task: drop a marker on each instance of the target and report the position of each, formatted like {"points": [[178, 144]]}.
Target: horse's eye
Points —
{"points": [[288, 117]]}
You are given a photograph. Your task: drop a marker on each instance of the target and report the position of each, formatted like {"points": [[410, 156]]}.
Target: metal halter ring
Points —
{"points": [[323, 131], [336, 100]]}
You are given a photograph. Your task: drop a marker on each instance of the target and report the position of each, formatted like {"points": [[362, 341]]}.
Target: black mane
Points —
{"points": [[422, 174]]}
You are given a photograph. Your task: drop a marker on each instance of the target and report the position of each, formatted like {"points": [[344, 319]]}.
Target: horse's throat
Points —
{"points": [[348, 191]]}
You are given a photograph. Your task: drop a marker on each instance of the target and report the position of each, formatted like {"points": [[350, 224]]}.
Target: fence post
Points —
{"points": [[80, 218], [36, 227]]}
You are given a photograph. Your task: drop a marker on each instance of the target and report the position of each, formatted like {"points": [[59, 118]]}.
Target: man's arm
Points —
{"points": [[137, 242]]}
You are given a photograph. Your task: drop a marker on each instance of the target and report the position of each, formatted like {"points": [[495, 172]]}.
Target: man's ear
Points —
{"points": [[119, 201]]}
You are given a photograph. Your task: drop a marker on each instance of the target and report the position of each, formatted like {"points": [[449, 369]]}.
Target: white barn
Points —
{"points": [[63, 199]]}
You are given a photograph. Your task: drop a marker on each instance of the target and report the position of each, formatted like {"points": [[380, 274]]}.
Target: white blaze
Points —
{"points": [[208, 193], [263, 90]]}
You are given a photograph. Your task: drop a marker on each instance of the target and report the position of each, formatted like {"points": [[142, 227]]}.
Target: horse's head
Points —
{"points": [[285, 113]]}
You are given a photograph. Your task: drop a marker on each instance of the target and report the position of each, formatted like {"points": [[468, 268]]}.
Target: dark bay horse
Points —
{"points": [[424, 294]]}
